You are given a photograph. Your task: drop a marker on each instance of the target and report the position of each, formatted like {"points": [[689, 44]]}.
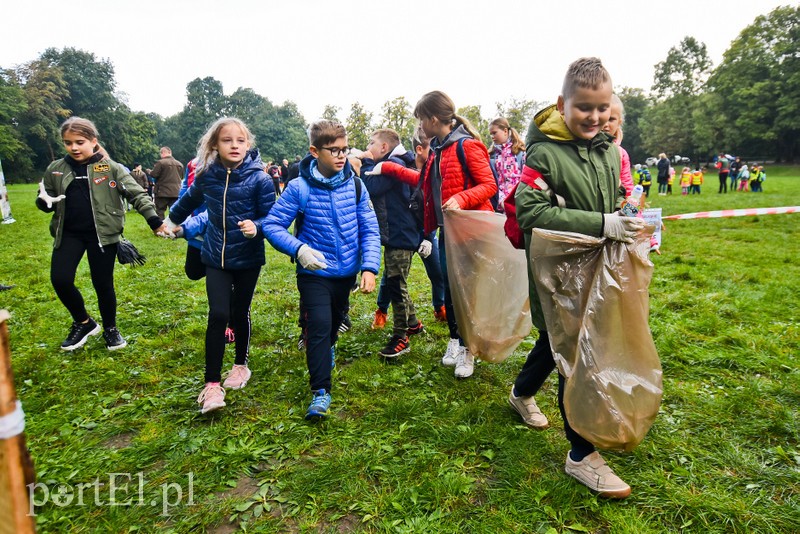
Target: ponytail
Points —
{"points": [[462, 121]]}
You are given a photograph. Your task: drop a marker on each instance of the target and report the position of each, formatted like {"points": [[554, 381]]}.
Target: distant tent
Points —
{"points": [[5, 207]]}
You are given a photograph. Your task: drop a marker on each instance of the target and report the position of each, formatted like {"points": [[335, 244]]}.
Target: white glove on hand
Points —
{"points": [[375, 170], [621, 228], [425, 249], [311, 259], [47, 198]]}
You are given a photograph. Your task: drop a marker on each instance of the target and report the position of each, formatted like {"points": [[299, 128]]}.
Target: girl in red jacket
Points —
{"points": [[447, 185]]}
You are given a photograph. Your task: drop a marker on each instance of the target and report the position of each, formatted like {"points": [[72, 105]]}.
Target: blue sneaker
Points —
{"points": [[318, 409]]}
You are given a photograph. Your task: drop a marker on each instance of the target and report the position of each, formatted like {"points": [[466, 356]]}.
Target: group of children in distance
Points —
{"points": [[571, 144]]}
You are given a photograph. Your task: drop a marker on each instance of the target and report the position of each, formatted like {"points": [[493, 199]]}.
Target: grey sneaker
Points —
{"points": [[465, 364], [594, 473], [527, 409]]}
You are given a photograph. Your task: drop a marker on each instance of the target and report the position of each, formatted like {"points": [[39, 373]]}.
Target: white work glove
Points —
{"points": [[311, 259], [172, 229], [47, 198], [375, 170], [621, 228], [425, 249]]}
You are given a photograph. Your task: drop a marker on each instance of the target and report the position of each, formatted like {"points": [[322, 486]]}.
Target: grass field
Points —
{"points": [[409, 448]]}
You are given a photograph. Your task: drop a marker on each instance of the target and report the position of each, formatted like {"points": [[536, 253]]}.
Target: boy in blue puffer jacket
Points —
{"points": [[337, 238]]}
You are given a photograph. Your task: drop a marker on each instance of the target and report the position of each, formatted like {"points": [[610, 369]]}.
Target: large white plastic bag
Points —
{"points": [[594, 297], [488, 283]]}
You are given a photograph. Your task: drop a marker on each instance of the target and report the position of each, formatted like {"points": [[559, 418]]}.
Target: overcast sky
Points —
{"points": [[317, 52]]}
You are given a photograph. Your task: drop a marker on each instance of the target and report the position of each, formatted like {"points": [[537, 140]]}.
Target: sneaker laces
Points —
{"points": [[238, 373], [210, 391]]}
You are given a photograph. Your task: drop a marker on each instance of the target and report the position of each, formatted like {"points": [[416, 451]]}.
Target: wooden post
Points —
{"points": [[16, 469]]}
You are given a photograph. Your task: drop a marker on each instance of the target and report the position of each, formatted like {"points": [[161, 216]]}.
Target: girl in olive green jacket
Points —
{"points": [[85, 189]]}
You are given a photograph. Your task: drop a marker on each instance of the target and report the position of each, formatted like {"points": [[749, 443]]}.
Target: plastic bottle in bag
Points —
{"points": [[630, 208]]}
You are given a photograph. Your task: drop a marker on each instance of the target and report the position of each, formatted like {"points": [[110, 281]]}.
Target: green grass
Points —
{"points": [[409, 448]]}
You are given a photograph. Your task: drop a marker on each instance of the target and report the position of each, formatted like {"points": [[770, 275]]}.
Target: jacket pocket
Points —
{"points": [[109, 220]]}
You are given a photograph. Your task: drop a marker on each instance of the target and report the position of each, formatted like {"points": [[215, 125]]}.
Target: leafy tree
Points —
{"points": [[13, 149], [397, 115], [635, 103], [473, 115], [359, 126], [90, 82], [44, 90], [758, 82], [684, 71], [519, 112], [331, 113]]}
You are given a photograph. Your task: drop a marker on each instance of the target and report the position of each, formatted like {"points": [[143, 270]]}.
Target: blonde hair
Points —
{"points": [[517, 144], [388, 136], [206, 153], [586, 72], [439, 105], [86, 129], [325, 131], [617, 101]]}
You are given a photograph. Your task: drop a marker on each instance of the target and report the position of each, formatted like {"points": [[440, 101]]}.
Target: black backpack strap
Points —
{"points": [[462, 158], [359, 184]]}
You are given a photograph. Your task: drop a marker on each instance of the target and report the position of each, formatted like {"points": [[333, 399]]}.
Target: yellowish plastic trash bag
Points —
{"points": [[594, 296], [488, 283]]}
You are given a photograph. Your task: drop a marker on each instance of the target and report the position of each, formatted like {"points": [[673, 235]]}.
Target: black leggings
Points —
{"points": [[230, 293], [537, 368], [194, 267], [64, 265]]}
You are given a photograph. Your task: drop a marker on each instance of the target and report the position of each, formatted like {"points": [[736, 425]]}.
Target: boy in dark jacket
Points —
{"points": [[566, 144], [337, 238], [401, 236]]}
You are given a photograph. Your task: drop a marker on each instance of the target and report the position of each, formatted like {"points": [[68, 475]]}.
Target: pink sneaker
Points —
{"points": [[237, 378], [212, 398]]}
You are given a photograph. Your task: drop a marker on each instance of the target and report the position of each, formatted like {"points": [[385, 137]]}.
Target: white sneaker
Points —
{"points": [[465, 364], [451, 354], [594, 473], [526, 407]]}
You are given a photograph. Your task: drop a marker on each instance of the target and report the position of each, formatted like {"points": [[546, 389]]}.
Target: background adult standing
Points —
{"points": [[168, 173], [663, 173]]}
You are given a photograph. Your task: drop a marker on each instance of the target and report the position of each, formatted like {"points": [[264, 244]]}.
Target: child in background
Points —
{"points": [[506, 157], [744, 178], [443, 189], [614, 128], [645, 180], [421, 146], [238, 194], [338, 237], [566, 146], [686, 180], [400, 235], [697, 180], [86, 189], [670, 179]]}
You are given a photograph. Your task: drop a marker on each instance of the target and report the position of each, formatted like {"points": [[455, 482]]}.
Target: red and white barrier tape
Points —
{"points": [[734, 213]]}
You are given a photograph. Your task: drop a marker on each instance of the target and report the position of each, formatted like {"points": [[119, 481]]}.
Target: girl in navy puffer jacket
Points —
{"points": [[231, 181]]}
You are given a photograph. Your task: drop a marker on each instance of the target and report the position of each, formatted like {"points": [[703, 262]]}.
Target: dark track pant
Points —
{"points": [[448, 297], [64, 265], [325, 301], [537, 368], [230, 293]]}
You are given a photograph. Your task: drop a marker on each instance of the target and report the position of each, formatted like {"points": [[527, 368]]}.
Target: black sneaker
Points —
{"points": [[79, 333], [397, 345], [416, 329], [114, 340], [346, 325]]}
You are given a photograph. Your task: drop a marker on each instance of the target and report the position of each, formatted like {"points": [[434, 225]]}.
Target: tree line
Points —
{"points": [[748, 105]]}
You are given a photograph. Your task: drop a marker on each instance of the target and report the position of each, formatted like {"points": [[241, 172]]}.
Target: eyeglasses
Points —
{"points": [[336, 152]]}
